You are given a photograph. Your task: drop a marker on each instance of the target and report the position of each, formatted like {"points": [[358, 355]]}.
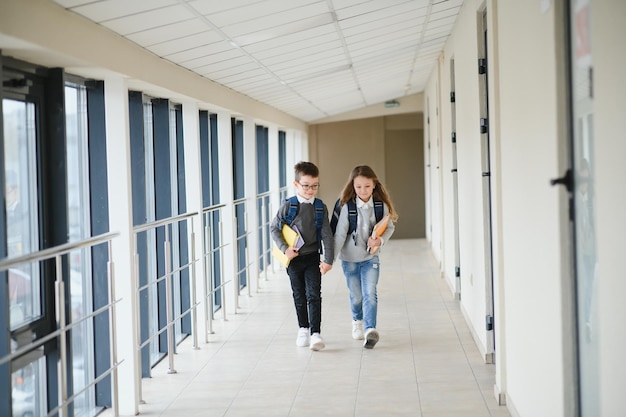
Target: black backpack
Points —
{"points": [[352, 213]]}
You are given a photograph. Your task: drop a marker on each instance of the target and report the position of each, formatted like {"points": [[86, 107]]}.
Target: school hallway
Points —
{"points": [[426, 363]]}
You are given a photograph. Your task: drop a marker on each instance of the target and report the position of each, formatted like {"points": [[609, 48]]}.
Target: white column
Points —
{"points": [[120, 220], [274, 180], [229, 232], [250, 186], [193, 183]]}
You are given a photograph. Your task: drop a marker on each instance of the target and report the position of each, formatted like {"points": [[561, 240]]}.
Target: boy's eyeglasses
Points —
{"points": [[307, 187]]}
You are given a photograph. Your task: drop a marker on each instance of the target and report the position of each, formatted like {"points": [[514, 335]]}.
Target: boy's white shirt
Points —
{"points": [[303, 200]]}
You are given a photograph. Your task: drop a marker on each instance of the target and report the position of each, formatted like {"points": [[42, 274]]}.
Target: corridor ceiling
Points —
{"points": [[308, 58]]}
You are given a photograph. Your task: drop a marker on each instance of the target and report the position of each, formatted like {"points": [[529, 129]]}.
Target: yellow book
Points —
{"points": [[280, 256], [293, 239]]}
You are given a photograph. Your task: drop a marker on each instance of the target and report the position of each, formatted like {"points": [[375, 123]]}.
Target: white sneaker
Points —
{"points": [[316, 342], [303, 337], [357, 329], [371, 338]]}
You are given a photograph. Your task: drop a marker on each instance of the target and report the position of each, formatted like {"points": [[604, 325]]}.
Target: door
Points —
{"points": [[455, 186], [483, 85], [582, 146]]}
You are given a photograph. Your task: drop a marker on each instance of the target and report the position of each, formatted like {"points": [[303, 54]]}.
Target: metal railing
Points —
{"points": [[242, 239], [212, 247], [265, 249], [169, 272], [62, 327]]}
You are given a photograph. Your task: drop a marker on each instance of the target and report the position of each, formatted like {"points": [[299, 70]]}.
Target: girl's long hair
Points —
{"points": [[380, 193]]}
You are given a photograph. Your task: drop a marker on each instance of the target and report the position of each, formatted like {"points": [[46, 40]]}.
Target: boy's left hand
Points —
{"points": [[324, 267]]}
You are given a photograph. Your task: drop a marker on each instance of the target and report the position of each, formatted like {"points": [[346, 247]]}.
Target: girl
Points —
{"points": [[358, 249]]}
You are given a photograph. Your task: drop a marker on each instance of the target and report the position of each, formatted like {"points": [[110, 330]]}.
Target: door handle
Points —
{"points": [[566, 180]]}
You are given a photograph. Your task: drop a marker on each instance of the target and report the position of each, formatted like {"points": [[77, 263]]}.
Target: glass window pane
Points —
{"points": [[81, 291], [20, 134], [28, 393]]}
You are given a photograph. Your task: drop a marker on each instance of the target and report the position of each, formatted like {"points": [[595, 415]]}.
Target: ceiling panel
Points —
{"points": [[148, 20], [296, 42], [278, 8], [175, 30], [308, 58], [187, 42], [101, 11]]}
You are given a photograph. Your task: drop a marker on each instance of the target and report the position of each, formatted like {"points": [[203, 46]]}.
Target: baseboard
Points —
{"points": [[500, 396], [487, 357]]}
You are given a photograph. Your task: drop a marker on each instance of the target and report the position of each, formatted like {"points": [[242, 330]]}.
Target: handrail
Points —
{"points": [[162, 222], [172, 270], [56, 253], [63, 249], [167, 224], [213, 208]]}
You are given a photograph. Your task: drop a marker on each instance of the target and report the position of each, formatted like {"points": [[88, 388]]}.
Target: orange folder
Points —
{"points": [[379, 229]]}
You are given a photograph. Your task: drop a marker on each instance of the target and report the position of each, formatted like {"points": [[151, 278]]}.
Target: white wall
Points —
{"points": [[535, 364], [462, 46], [530, 210]]}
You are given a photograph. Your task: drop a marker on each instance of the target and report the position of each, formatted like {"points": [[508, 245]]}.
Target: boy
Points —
{"points": [[309, 215]]}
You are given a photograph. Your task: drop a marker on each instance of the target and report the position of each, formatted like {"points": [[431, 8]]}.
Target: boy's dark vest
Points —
{"points": [[352, 214], [294, 206]]}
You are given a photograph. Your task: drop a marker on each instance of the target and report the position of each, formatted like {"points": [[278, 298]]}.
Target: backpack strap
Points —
{"points": [[352, 213], [379, 210], [294, 206], [319, 221], [335, 217]]}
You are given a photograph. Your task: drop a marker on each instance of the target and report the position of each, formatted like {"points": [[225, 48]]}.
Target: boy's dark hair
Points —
{"points": [[306, 168]]}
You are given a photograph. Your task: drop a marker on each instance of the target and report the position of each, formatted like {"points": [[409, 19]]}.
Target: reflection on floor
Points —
{"points": [[425, 365]]}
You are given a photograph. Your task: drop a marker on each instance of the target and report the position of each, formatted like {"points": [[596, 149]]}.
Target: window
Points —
{"points": [[158, 188], [81, 286], [240, 206], [282, 164], [211, 218], [263, 198], [45, 118]]}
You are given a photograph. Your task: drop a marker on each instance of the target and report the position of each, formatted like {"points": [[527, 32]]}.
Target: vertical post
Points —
{"points": [[223, 292], [60, 310], [236, 260], [168, 301], [137, 333], [112, 332], [265, 251], [209, 294], [207, 286], [194, 312], [248, 260]]}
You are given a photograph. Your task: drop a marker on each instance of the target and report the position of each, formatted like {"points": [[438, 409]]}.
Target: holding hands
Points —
{"points": [[324, 267]]}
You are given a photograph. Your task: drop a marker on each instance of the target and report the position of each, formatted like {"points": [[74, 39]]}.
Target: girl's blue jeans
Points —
{"points": [[362, 279]]}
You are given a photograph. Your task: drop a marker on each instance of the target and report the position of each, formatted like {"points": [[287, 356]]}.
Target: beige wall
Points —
{"points": [[340, 146]]}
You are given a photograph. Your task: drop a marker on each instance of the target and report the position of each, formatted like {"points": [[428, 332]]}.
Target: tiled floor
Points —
{"points": [[425, 365]]}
